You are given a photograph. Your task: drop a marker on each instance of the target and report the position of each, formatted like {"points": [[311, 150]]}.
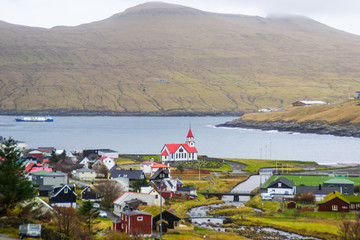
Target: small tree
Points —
{"points": [[66, 219], [14, 187], [109, 190], [89, 214]]}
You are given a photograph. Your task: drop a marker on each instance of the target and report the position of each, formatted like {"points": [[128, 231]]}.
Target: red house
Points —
{"points": [[134, 222], [334, 202]]}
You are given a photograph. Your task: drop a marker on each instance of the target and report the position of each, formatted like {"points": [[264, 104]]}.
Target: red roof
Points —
{"points": [[36, 169], [174, 146], [29, 166], [159, 165], [105, 157], [164, 153], [190, 134]]}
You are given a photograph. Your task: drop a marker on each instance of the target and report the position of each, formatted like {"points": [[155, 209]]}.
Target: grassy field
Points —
{"points": [[253, 165], [309, 180], [345, 112]]}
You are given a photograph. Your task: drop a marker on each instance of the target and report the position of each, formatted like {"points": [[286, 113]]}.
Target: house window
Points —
{"points": [[66, 190], [181, 150], [352, 206], [139, 219], [334, 207], [279, 185], [156, 196]]}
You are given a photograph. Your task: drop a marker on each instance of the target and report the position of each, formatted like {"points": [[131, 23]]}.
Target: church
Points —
{"points": [[177, 152]]}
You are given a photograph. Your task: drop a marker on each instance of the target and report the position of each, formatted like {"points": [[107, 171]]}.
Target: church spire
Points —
{"points": [[190, 138]]}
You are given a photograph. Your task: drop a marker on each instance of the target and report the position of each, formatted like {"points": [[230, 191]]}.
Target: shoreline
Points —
{"points": [[120, 114], [318, 127]]}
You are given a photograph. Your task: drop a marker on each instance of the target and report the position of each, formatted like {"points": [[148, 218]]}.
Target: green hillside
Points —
{"points": [[347, 112], [168, 59]]}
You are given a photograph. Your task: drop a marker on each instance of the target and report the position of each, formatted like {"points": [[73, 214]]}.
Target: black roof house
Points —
{"points": [[171, 219], [161, 173], [132, 175], [281, 183], [63, 195], [91, 193]]}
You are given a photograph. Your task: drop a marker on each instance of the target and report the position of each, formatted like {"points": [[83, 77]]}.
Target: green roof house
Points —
{"points": [[346, 186]]}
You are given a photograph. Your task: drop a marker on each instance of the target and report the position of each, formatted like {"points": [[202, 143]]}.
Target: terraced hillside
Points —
{"points": [[160, 58]]}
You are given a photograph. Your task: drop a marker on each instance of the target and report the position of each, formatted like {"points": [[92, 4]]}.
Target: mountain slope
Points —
{"points": [[164, 58]]}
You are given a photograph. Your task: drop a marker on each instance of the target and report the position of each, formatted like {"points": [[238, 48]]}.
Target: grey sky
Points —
{"points": [[340, 14]]}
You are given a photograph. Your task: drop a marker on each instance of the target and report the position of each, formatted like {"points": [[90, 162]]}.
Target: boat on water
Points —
{"points": [[35, 119]]}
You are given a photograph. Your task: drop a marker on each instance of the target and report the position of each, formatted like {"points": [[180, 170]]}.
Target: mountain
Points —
{"points": [[159, 58]]}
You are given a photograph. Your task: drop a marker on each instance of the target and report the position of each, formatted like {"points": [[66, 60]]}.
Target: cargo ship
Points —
{"points": [[35, 119]]}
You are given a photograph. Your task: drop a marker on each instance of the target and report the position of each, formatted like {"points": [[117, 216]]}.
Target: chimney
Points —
{"points": [[130, 169], [319, 186]]}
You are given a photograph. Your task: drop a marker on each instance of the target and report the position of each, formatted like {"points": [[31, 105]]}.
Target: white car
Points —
{"points": [[103, 214], [96, 205]]}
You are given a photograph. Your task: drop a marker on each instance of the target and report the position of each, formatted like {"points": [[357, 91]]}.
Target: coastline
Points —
{"points": [[119, 114], [316, 127]]}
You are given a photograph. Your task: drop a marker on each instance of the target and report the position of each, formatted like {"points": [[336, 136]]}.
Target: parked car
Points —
{"points": [[30, 230], [103, 214], [96, 205], [266, 196]]}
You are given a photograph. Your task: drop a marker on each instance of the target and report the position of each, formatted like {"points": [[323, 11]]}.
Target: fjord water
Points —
{"points": [[147, 135]]}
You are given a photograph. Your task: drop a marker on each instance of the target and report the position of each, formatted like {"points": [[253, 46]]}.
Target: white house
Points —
{"points": [[146, 166], [281, 186], [151, 198], [85, 174], [107, 161], [180, 151], [85, 162]]}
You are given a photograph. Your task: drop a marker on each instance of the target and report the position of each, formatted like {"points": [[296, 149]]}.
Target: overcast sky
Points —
{"points": [[340, 14]]}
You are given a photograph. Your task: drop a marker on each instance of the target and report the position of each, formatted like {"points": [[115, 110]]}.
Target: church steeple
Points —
{"points": [[190, 138]]}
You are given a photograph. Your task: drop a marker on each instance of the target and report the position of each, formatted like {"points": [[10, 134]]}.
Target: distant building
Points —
{"points": [[282, 186], [357, 95], [305, 103]]}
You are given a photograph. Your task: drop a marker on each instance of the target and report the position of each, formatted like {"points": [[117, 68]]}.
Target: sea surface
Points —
{"points": [[147, 135]]}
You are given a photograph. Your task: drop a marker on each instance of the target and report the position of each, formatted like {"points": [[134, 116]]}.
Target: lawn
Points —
{"points": [[309, 180], [253, 165]]}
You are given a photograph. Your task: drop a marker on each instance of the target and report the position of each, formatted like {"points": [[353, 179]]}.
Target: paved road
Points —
{"points": [[4, 237]]}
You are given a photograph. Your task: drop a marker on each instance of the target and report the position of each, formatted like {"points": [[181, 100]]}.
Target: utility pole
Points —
{"points": [[161, 182]]}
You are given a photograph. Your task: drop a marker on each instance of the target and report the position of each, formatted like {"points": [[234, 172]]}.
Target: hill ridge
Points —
{"points": [[175, 63]]}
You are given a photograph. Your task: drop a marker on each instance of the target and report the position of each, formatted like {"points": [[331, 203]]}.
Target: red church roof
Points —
{"points": [[164, 153], [174, 146], [190, 134]]}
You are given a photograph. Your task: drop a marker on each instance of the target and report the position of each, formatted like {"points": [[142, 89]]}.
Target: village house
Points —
{"points": [[180, 152], [91, 193], [146, 166], [85, 174], [55, 178], [319, 191], [107, 161], [121, 202], [334, 202], [133, 175], [134, 223], [170, 221], [346, 186], [63, 196], [281, 186]]}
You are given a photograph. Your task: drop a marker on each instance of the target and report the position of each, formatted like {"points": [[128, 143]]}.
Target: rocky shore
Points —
{"points": [[318, 127]]}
